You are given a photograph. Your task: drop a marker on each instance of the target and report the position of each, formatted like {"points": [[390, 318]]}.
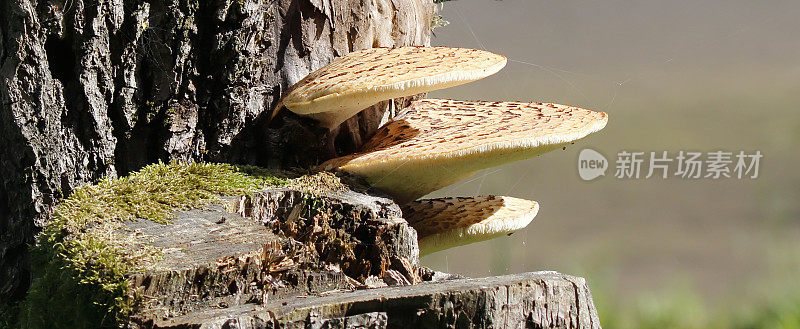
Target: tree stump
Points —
{"points": [[288, 244], [301, 255]]}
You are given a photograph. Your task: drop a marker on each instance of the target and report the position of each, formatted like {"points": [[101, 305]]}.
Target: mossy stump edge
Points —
{"points": [[222, 246]]}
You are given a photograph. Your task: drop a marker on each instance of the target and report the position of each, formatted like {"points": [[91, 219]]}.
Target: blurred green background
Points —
{"points": [[672, 75]]}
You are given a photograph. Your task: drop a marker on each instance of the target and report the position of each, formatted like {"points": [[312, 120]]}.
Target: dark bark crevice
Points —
{"points": [[61, 59]]}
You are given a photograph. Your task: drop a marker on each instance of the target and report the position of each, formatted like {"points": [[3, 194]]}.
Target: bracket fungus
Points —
{"points": [[450, 222], [436, 142], [353, 82]]}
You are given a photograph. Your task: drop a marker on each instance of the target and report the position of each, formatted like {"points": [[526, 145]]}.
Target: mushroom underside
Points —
{"points": [[409, 179]]}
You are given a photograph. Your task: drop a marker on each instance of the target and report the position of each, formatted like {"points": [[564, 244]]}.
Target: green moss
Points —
{"points": [[80, 264]]}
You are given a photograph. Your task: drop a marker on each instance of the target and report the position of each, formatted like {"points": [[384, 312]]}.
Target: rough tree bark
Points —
{"points": [[361, 239], [277, 244], [93, 89], [526, 300]]}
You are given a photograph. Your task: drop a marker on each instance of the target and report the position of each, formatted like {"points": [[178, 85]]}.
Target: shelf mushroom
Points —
{"points": [[455, 221], [360, 79], [437, 142]]}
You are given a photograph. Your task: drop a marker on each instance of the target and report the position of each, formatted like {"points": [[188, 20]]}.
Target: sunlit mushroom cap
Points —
{"points": [[353, 82], [437, 142], [450, 222]]}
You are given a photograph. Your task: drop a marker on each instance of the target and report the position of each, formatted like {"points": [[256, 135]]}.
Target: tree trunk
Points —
{"points": [[93, 89]]}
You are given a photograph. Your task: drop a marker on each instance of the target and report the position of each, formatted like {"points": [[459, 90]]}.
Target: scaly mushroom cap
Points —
{"points": [[437, 142], [450, 222], [361, 79]]}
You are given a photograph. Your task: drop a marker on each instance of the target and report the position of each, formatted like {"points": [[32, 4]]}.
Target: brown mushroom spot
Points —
{"points": [[431, 216], [454, 221]]}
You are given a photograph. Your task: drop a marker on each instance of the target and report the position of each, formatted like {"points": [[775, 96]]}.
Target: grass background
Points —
{"points": [[672, 75]]}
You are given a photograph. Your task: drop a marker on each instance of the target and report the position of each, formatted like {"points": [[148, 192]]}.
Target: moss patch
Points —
{"points": [[80, 264], [317, 183]]}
